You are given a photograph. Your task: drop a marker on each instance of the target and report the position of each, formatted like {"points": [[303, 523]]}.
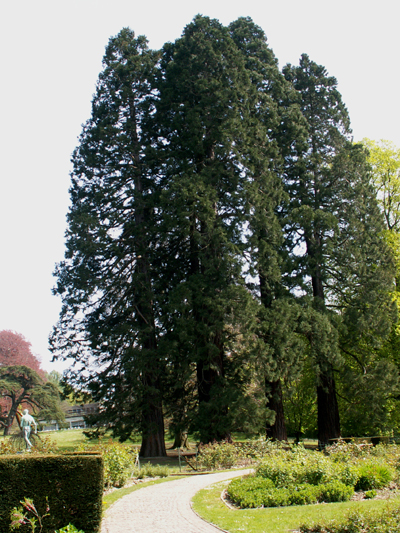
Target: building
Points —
{"points": [[74, 417]]}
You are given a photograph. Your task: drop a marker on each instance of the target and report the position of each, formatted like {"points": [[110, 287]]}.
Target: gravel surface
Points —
{"points": [[163, 508]]}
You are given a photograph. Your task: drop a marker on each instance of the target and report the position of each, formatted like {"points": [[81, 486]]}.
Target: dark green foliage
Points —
{"points": [[223, 243], [340, 265], [218, 455], [203, 121], [73, 486], [107, 323], [275, 144]]}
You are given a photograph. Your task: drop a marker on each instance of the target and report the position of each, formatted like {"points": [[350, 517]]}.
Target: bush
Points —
{"points": [[69, 529], [149, 470], [217, 455], [373, 476], [70, 486], [257, 449], [253, 491], [281, 473], [16, 443], [118, 461], [347, 474], [313, 468], [248, 492], [335, 491]]}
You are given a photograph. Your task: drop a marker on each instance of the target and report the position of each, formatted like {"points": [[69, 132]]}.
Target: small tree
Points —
{"points": [[22, 385]]}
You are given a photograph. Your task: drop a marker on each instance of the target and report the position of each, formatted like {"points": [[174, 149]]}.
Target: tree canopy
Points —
{"points": [[224, 241], [16, 350], [21, 386]]}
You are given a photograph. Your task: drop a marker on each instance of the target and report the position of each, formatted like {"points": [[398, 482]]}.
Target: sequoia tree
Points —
{"points": [[275, 140], [107, 324], [203, 124], [333, 230]]}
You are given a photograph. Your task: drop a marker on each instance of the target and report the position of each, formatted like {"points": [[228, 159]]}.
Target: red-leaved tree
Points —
{"points": [[15, 350]]}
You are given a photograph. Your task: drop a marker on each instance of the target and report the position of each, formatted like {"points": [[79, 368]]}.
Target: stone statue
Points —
{"points": [[26, 422]]}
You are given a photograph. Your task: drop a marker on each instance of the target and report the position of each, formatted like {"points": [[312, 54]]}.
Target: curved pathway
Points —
{"points": [[163, 508]]}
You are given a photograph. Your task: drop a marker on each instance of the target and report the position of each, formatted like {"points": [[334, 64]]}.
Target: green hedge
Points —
{"points": [[253, 492], [72, 483]]}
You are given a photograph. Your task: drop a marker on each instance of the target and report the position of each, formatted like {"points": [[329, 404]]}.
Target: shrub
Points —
{"points": [[149, 470], [217, 455], [345, 452], [347, 474], [118, 460], [64, 488], [281, 473], [373, 476], [257, 449], [248, 491], [16, 443], [253, 491], [294, 468], [69, 529], [335, 491], [303, 494]]}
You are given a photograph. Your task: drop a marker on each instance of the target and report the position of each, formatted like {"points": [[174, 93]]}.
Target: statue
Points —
{"points": [[26, 422]]}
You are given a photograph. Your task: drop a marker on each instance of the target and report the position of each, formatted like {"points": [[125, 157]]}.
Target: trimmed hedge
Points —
{"points": [[72, 483]]}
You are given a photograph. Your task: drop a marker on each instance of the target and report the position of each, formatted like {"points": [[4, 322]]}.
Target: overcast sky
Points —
{"points": [[51, 54]]}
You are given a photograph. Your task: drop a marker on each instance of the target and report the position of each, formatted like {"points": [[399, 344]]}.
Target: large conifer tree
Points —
{"points": [[107, 322], [202, 120], [331, 211], [276, 135]]}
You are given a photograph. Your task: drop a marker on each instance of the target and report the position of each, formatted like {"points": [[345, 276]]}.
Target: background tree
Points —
{"points": [[21, 386], [384, 158]]}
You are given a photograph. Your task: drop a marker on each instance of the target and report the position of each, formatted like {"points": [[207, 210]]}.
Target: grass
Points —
{"points": [[207, 504], [69, 439]]}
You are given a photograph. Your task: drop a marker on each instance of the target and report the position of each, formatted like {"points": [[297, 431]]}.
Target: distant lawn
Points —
{"points": [[207, 504], [69, 439]]}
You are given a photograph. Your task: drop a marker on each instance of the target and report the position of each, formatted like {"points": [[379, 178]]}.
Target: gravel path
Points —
{"points": [[163, 508]]}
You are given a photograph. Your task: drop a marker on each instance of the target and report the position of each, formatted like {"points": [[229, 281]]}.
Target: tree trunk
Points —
{"points": [[180, 440], [328, 410], [210, 416], [277, 430], [153, 442]]}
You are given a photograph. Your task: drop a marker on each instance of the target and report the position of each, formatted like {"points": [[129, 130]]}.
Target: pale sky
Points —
{"points": [[51, 52]]}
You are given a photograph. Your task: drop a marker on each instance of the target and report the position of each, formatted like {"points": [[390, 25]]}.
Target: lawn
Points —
{"points": [[208, 504], [69, 439]]}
